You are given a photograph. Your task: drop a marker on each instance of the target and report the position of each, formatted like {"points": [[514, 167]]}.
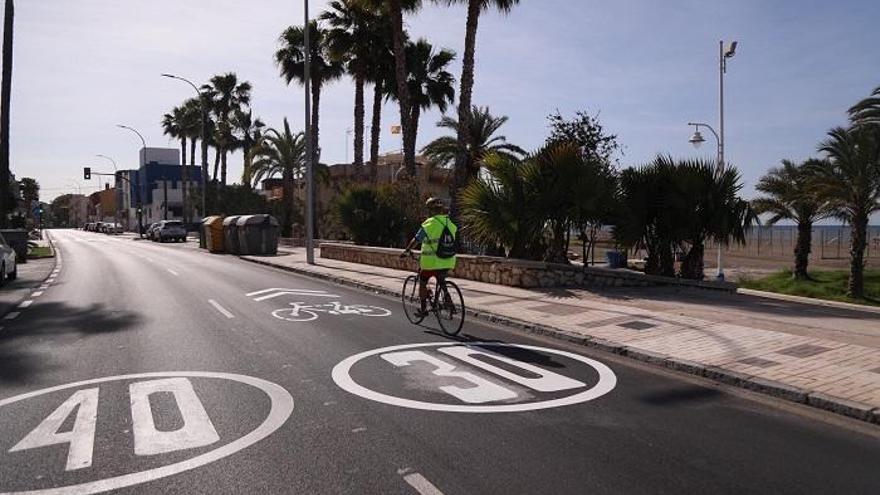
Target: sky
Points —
{"points": [[645, 67]]}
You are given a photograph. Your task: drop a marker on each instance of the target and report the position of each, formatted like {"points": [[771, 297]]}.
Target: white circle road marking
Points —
{"points": [[281, 409], [342, 376]]}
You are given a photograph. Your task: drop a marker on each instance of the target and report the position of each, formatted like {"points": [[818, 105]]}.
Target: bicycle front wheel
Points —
{"points": [[450, 309], [410, 297]]}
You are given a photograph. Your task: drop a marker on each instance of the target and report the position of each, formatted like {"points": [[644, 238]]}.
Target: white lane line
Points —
{"points": [[25, 304], [421, 484], [221, 309], [12, 316], [172, 272], [37, 293], [44, 287]]}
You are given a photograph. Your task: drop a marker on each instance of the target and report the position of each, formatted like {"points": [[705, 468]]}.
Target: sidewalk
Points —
{"points": [[30, 276], [825, 357]]}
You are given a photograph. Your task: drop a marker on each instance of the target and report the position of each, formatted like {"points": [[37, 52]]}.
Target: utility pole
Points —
{"points": [[165, 198], [310, 206], [204, 134], [5, 101]]}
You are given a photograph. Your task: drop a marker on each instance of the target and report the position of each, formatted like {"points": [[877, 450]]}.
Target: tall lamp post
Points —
{"points": [[725, 51], [116, 182], [140, 209], [310, 207], [204, 134]]}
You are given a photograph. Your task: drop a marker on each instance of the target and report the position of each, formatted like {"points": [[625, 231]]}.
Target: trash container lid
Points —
{"points": [[262, 219], [212, 220], [231, 220]]}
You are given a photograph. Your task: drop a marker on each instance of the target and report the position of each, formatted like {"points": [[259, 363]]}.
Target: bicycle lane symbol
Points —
{"points": [[299, 311]]}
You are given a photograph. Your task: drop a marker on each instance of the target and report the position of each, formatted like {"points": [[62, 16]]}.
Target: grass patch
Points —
{"points": [[40, 252], [830, 285]]}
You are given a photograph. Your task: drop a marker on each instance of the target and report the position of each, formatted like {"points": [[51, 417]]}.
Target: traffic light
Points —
{"points": [[87, 173]]}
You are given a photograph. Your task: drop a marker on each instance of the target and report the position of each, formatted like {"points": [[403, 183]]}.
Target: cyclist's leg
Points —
{"points": [[424, 276], [441, 281]]}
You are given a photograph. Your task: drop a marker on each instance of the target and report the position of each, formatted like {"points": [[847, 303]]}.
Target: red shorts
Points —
{"points": [[427, 274]]}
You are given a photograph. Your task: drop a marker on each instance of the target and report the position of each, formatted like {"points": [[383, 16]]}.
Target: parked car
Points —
{"points": [[113, 228], [148, 233], [90, 227], [8, 266], [172, 230]]}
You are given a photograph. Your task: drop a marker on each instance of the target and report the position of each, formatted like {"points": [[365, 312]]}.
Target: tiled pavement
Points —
{"points": [[827, 371]]}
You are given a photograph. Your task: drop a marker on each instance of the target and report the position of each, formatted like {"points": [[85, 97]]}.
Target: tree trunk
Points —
{"points": [[5, 101], [359, 122], [410, 140], [316, 102], [223, 167], [802, 250], [184, 178], [692, 265], [859, 236], [375, 132], [192, 151], [204, 137], [216, 163], [287, 203], [462, 159], [409, 159]]}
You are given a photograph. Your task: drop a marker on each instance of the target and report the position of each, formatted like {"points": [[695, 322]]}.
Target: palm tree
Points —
{"points": [[248, 132], [381, 76], [428, 84], [226, 95], [280, 153], [790, 195], [394, 10], [173, 125], [474, 9], [850, 181], [190, 126], [290, 59], [482, 140], [352, 39], [867, 111]]}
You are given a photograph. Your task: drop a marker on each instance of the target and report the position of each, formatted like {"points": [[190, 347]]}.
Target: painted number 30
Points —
{"points": [[197, 429], [483, 390]]}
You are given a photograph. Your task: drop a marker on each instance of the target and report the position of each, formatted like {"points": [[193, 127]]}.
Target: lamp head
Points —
{"points": [[697, 139], [730, 50]]}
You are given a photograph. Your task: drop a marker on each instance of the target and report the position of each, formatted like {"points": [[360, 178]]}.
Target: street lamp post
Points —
{"points": [[140, 209], [310, 207], [116, 181], [724, 53], [204, 134]]}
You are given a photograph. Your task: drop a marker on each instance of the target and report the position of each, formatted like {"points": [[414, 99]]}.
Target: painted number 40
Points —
{"points": [[197, 430]]}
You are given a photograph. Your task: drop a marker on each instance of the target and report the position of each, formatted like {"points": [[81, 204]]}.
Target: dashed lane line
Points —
{"points": [[220, 308], [420, 483], [172, 272], [37, 293], [13, 315], [25, 304]]}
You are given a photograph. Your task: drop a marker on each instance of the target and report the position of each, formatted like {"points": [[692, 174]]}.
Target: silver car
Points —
{"points": [[169, 230], [8, 267]]}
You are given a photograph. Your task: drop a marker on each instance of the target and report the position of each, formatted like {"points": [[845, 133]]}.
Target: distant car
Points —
{"points": [[148, 233], [113, 228], [90, 227], [99, 226], [8, 266], [169, 230]]}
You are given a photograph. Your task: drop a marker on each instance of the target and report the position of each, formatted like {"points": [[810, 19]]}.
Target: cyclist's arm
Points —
{"points": [[420, 236]]}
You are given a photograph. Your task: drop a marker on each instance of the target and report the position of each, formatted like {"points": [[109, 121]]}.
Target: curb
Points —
{"points": [[54, 266], [812, 301], [779, 390]]}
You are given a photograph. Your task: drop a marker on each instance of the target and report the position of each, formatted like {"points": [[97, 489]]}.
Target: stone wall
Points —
{"points": [[515, 273]]}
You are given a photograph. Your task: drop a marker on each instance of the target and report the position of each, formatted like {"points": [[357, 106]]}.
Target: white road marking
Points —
{"points": [[221, 309], [44, 287], [25, 304], [358, 430], [37, 293], [278, 292], [172, 272], [81, 438], [280, 409], [12, 316], [197, 430], [419, 482]]}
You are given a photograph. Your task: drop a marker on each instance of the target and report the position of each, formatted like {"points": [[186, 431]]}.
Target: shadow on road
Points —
{"points": [[520, 354], [47, 327], [680, 394]]}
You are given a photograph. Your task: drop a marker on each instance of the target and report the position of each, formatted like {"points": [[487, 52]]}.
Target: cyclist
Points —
{"points": [[438, 251]]}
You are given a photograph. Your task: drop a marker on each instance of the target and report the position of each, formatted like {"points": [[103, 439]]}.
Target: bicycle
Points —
{"points": [[444, 300], [308, 312]]}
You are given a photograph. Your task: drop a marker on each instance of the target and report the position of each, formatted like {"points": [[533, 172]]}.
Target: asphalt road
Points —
{"points": [[148, 368]]}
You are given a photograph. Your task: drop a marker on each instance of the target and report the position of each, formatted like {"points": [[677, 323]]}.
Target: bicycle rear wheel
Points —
{"points": [[410, 298], [450, 309]]}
